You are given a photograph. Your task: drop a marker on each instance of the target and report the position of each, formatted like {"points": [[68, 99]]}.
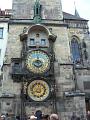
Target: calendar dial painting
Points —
{"points": [[38, 90]]}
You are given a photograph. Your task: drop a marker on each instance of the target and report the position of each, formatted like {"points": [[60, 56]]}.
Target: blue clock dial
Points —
{"points": [[37, 61]]}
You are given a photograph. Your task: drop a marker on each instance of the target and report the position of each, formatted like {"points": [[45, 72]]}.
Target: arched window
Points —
{"points": [[75, 50]]}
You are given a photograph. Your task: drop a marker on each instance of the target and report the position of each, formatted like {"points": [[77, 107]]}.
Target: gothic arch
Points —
{"points": [[75, 37]]}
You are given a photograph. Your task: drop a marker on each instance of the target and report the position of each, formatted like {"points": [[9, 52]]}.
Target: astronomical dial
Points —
{"points": [[38, 90], [37, 61]]}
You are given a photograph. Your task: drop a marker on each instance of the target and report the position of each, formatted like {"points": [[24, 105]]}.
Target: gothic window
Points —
{"points": [[75, 50], [1, 33]]}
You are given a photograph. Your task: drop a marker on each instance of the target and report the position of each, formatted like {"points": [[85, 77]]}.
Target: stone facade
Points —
{"points": [[4, 35], [67, 79], [50, 10]]}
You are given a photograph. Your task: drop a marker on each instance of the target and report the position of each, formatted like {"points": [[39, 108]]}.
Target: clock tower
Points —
{"points": [[39, 74]]}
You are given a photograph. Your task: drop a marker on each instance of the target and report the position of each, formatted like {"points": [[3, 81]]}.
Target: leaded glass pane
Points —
{"points": [[75, 50]]}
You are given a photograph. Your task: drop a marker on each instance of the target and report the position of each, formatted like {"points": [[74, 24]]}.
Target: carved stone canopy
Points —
{"points": [[24, 35]]}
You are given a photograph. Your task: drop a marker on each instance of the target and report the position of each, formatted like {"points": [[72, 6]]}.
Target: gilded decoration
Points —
{"points": [[38, 90]]}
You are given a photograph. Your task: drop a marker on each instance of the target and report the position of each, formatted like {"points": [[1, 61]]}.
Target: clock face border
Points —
{"points": [[38, 90], [37, 61]]}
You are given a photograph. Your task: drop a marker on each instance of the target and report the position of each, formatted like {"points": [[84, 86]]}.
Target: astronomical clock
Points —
{"points": [[37, 61]]}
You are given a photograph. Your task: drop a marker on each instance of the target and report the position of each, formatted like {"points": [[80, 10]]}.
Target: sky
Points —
{"points": [[82, 6]]}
